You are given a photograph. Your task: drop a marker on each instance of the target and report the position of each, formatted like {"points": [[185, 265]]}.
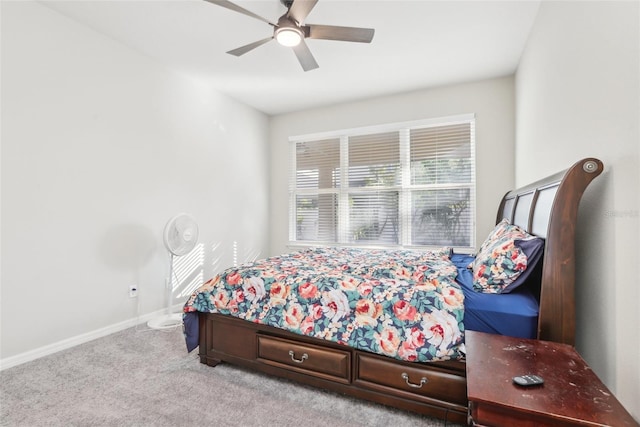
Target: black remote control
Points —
{"points": [[528, 380]]}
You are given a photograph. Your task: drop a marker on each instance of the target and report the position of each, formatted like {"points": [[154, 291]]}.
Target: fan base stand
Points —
{"points": [[167, 321]]}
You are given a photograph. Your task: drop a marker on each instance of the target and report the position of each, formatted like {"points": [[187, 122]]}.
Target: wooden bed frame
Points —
{"points": [[547, 208]]}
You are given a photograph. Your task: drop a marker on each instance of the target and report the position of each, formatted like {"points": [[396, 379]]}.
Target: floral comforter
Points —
{"points": [[402, 304]]}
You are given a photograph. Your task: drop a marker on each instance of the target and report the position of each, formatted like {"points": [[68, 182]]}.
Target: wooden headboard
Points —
{"points": [[549, 208]]}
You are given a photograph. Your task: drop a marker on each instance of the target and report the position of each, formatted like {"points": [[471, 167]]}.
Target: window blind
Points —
{"points": [[442, 178], [408, 184], [317, 180]]}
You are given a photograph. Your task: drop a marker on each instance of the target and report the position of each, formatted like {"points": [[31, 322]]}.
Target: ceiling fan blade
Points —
{"points": [[244, 49], [236, 8], [305, 57], [300, 9], [346, 34]]}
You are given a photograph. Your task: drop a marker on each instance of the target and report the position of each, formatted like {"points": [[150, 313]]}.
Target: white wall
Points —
{"points": [[491, 100], [100, 147], [578, 95]]}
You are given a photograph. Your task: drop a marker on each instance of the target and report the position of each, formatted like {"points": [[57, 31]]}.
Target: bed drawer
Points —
{"points": [[377, 373], [314, 360]]}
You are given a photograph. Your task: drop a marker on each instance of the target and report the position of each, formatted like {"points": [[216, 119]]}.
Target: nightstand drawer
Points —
{"points": [[308, 358], [418, 379]]}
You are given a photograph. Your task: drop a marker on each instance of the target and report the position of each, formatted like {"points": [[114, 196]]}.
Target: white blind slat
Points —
{"points": [[373, 218], [318, 164], [374, 160]]}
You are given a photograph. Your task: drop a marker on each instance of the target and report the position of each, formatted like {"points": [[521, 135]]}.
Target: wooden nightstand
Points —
{"points": [[572, 395]]}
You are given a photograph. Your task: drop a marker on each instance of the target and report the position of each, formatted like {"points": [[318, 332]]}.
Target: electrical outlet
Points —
{"points": [[133, 291]]}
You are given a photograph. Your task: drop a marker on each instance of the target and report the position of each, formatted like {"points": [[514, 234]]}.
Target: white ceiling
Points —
{"points": [[418, 44]]}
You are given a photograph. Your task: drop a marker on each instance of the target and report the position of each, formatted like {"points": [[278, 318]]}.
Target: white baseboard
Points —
{"points": [[46, 350]]}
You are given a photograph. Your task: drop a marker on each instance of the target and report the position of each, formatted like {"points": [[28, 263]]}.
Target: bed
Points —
{"points": [[388, 325]]}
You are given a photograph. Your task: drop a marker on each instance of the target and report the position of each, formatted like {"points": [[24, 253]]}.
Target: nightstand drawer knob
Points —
{"points": [[405, 377]]}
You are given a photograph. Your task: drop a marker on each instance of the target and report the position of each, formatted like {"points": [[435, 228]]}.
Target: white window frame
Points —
{"points": [[404, 190]]}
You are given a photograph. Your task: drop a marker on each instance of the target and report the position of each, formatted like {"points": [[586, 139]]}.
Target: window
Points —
{"points": [[407, 184]]}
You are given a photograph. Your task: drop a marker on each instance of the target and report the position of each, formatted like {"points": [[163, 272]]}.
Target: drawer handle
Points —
{"points": [[405, 377], [304, 357]]}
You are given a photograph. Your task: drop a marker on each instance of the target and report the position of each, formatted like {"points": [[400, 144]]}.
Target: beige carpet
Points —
{"points": [[142, 377]]}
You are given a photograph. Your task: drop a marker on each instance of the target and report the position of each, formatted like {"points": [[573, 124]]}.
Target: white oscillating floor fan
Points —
{"points": [[180, 237]]}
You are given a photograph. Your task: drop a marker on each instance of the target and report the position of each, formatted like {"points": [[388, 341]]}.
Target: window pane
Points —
{"points": [[441, 217], [374, 160], [316, 218], [373, 217], [441, 155], [318, 164]]}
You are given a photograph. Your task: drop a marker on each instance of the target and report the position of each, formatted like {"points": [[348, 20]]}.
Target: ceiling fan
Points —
{"points": [[291, 30]]}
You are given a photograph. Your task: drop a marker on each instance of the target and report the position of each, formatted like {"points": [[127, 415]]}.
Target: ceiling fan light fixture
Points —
{"points": [[288, 36], [291, 31]]}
